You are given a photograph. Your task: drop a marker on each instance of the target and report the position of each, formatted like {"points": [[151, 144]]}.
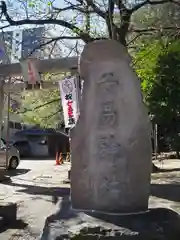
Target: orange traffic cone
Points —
{"points": [[61, 159], [57, 159]]}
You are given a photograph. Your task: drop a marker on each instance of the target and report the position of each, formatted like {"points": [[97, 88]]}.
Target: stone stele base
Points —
{"points": [[156, 224]]}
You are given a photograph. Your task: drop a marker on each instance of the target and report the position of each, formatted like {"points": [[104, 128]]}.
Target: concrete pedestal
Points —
{"points": [[159, 224]]}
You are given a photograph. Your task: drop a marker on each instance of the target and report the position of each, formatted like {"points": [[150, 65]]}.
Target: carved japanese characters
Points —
{"points": [[111, 148]]}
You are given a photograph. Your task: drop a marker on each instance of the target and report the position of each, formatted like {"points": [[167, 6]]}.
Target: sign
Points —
{"points": [[30, 71], [69, 101]]}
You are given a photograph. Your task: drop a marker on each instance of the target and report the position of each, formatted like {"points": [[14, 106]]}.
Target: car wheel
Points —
{"points": [[13, 163]]}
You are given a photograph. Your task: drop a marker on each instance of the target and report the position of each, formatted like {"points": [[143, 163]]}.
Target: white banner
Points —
{"points": [[30, 71], [69, 101]]}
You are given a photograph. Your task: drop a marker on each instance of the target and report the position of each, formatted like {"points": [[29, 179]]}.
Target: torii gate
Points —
{"points": [[44, 66]]}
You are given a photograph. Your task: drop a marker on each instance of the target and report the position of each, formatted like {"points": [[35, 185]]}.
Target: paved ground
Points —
{"points": [[165, 193], [165, 185], [36, 186]]}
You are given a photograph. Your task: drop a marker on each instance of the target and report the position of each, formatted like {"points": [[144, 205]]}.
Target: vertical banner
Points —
{"points": [[69, 101], [30, 71]]}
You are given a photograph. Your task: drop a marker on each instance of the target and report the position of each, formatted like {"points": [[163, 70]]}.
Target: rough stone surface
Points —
{"points": [[156, 224], [111, 148]]}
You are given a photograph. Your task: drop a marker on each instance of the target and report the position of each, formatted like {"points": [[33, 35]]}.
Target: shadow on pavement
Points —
{"points": [[39, 190], [18, 224], [16, 172], [161, 170], [167, 191]]}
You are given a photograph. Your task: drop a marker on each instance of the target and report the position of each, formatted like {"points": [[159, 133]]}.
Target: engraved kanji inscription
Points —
{"points": [[108, 148], [107, 90], [108, 114], [107, 77]]}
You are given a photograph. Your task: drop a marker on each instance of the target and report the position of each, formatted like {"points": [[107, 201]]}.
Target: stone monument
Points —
{"points": [[111, 148], [111, 158]]}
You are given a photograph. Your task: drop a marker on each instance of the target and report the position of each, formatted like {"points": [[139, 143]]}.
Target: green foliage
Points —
{"points": [[160, 74], [165, 93], [31, 4], [145, 62], [42, 107]]}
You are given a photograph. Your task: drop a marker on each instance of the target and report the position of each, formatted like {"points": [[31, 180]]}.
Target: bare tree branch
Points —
{"points": [[40, 106], [77, 7], [118, 33], [72, 6], [51, 41], [95, 8], [52, 114], [153, 29], [84, 36], [136, 37], [6, 26]]}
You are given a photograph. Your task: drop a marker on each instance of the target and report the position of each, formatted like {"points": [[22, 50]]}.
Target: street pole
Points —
{"points": [[1, 103], [8, 117], [156, 141]]}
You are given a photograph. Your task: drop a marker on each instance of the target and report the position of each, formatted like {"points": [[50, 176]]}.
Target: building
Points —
{"points": [[22, 43]]}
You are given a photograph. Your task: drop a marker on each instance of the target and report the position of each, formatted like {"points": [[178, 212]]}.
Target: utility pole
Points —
{"points": [[7, 120], [156, 140], [1, 103]]}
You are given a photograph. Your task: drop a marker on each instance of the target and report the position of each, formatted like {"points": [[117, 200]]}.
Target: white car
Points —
{"points": [[13, 156]]}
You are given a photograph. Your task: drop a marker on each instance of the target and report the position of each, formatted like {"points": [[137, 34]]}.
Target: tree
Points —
{"points": [[45, 13], [43, 106], [159, 17], [115, 17], [165, 93], [160, 74]]}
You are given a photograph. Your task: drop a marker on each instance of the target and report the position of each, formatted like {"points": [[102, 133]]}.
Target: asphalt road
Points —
{"points": [[36, 186]]}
